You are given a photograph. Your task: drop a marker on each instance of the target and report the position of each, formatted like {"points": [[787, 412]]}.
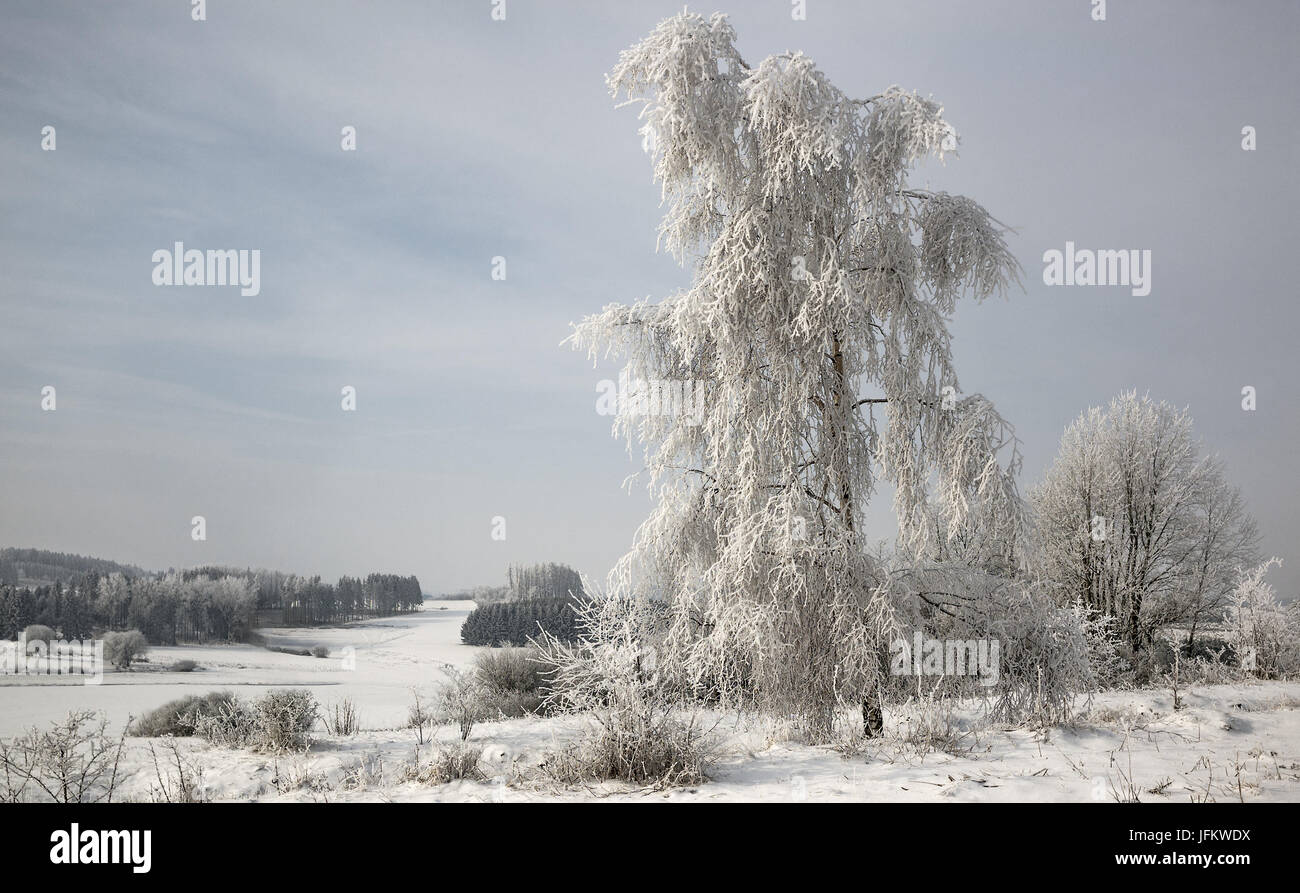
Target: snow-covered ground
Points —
{"points": [[1228, 742], [373, 662]]}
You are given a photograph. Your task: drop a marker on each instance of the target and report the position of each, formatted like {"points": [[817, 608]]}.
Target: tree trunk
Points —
{"points": [[873, 716]]}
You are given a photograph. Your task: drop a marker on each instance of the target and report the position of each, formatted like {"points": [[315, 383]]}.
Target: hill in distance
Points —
{"points": [[40, 567]]}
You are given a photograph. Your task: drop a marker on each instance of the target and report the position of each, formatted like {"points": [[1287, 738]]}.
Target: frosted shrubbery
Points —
{"points": [[1041, 654], [123, 648], [277, 722], [1045, 658], [1266, 634], [642, 732], [74, 760], [1105, 647]]}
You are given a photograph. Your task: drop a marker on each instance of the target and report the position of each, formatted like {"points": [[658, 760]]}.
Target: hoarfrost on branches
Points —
{"points": [[818, 322], [1134, 521]]}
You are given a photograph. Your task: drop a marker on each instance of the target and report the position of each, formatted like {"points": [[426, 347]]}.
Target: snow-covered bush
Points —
{"points": [[1105, 646], [185, 785], [284, 719], [1212, 649], [1042, 661], [446, 763], [419, 715], [642, 731], [513, 680], [1045, 661], [181, 716], [452, 762], [73, 761], [461, 701], [121, 648], [1266, 634], [342, 718], [510, 669], [277, 722]]}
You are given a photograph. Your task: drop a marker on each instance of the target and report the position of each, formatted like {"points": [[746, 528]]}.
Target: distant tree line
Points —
{"points": [[514, 623], [481, 594], [527, 582], [209, 604], [306, 602], [542, 581], [35, 566]]}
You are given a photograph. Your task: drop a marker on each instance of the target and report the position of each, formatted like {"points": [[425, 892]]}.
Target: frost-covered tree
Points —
{"points": [[1266, 633], [817, 323], [1225, 541], [1133, 521]]}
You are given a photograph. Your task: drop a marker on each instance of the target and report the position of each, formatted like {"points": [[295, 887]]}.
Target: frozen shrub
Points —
{"points": [[611, 674], [121, 648], [285, 719], [455, 761], [342, 719], [510, 669], [234, 725], [1154, 661], [1210, 649], [180, 717], [510, 704], [320, 651], [74, 761], [186, 785], [1265, 634], [365, 772], [277, 722], [505, 683], [298, 774], [929, 722], [1044, 658], [184, 666], [461, 701], [419, 716], [447, 763], [660, 750], [1105, 646], [513, 681]]}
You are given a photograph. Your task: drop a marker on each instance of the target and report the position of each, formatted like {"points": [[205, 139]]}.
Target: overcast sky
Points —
{"points": [[479, 138]]}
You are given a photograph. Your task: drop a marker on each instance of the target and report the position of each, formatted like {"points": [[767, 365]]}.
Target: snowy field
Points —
{"points": [[1227, 743], [388, 656]]}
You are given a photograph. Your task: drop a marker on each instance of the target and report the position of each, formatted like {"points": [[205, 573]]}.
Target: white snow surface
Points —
{"points": [[391, 654], [1226, 743]]}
